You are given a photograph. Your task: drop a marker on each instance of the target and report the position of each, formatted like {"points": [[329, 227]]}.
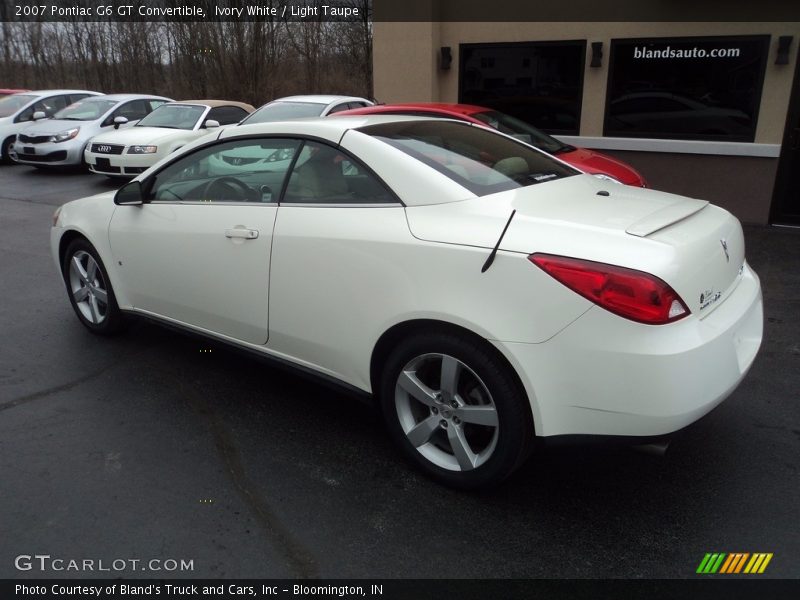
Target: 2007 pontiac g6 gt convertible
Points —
{"points": [[483, 292]]}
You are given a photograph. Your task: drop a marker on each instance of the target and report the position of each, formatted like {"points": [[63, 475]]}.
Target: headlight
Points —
{"points": [[605, 177], [56, 214], [142, 149], [65, 135]]}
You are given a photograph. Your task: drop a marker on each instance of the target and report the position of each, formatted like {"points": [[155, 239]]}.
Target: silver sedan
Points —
{"points": [[60, 140]]}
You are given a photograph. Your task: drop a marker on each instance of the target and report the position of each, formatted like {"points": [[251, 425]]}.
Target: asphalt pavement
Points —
{"points": [[157, 445]]}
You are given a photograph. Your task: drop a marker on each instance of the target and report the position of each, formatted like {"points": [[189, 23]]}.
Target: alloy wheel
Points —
{"points": [[88, 287], [446, 412]]}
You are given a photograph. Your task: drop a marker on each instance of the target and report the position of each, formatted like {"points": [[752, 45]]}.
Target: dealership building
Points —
{"points": [[706, 109]]}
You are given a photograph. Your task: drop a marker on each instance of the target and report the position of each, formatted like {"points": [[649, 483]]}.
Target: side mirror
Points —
{"points": [[130, 194], [119, 121], [211, 124], [39, 115]]}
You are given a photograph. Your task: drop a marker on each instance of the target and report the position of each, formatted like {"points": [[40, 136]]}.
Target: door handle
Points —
{"points": [[248, 234]]}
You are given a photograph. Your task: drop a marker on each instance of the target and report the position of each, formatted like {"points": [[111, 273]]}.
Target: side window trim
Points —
{"points": [[147, 184], [290, 170]]}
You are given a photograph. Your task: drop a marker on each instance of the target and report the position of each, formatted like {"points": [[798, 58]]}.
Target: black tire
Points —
{"points": [[98, 316], [484, 380], [6, 151]]}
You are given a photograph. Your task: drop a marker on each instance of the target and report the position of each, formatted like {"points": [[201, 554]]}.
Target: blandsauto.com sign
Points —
{"points": [[640, 52]]}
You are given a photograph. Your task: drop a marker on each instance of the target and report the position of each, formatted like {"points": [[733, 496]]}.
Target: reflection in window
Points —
{"points": [[538, 82], [474, 157], [686, 88], [235, 171]]}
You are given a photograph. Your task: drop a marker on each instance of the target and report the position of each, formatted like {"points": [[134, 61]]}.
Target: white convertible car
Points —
{"points": [[480, 290], [126, 153]]}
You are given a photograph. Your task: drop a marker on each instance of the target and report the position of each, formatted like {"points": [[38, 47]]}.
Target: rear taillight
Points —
{"points": [[635, 295]]}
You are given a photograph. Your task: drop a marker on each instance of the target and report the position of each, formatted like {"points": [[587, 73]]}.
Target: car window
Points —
{"points": [[11, 104], [48, 106], [75, 97], [324, 175], [226, 115], [474, 157], [520, 130], [232, 171], [154, 104], [133, 111], [52, 105], [90, 109], [340, 108], [284, 111], [173, 116]]}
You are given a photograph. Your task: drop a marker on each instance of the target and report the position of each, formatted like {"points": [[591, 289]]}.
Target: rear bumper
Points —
{"points": [[604, 375]]}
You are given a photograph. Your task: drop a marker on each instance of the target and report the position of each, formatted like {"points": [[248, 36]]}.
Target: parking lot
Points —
{"points": [[157, 445]]}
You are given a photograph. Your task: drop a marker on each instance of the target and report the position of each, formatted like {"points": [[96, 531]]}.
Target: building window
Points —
{"points": [[705, 88], [547, 94]]}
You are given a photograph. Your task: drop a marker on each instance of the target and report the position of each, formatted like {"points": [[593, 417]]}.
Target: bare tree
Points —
{"points": [[253, 61]]}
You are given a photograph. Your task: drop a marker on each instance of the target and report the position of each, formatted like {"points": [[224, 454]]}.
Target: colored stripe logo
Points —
{"points": [[734, 563]]}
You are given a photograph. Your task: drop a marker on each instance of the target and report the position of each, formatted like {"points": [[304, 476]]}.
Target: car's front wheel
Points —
{"points": [[8, 152], [456, 409], [89, 289]]}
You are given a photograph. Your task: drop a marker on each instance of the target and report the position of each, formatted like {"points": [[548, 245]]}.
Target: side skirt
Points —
{"points": [[275, 361]]}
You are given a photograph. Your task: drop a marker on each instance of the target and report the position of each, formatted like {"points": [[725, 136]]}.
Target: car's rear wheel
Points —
{"points": [[89, 289], [456, 409]]}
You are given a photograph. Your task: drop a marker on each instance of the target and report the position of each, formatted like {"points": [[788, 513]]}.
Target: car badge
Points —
{"points": [[725, 248]]}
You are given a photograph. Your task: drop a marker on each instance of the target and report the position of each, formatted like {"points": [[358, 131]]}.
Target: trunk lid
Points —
{"points": [[697, 248]]}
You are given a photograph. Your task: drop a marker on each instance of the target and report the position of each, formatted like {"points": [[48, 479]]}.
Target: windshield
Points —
{"points": [[173, 116], [284, 111], [85, 110], [521, 130], [11, 104], [472, 156]]}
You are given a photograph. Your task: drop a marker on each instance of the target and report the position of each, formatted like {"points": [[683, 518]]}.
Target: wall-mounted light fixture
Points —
{"points": [[445, 57], [784, 42], [597, 55]]}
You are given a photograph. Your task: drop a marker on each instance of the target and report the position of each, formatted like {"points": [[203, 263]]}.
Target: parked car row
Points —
{"points": [[121, 136], [56, 128], [127, 153]]}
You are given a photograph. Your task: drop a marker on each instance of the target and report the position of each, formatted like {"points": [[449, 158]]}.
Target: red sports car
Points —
{"points": [[585, 160]]}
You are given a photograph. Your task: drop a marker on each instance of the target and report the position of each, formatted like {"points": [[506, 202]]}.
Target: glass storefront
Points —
{"points": [[686, 88], [538, 82]]}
